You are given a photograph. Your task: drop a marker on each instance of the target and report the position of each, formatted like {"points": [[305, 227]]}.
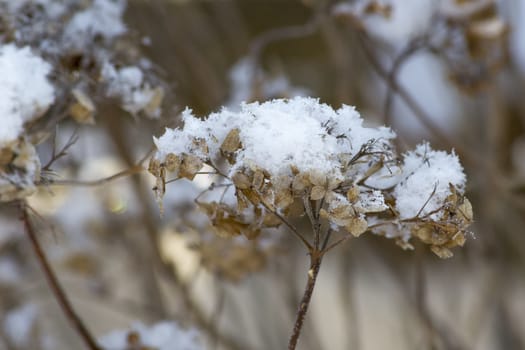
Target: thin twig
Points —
{"points": [[286, 223], [315, 227], [54, 284], [93, 183], [338, 242], [63, 151]]}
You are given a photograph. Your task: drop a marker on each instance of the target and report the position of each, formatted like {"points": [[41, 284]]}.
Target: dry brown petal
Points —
{"points": [[83, 109], [251, 232], [283, 199], [155, 102], [232, 142], [353, 194], [404, 244], [295, 209], [190, 166], [357, 226], [258, 179], [442, 252], [334, 182], [317, 178], [317, 193], [172, 162], [227, 226], [300, 183], [6, 156], [466, 211], [242, 202], [458, 240], [271, 220], [424, 233], [241, 181], [154, 167], [252, 196], [200, 145]]}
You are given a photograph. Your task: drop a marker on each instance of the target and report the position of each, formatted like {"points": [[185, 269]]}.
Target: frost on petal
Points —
{"points": [[160, 336], [427, 175]]}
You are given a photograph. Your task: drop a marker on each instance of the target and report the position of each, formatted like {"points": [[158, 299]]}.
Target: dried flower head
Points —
{"points": [[284, 158]]}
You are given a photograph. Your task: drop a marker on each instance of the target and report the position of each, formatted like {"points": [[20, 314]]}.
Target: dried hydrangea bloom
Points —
{"points": [[93, 55], [27, 94], [285, 158]]}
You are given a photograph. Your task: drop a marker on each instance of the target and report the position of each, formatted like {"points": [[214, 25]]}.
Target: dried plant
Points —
{"points": [[284, 159]]}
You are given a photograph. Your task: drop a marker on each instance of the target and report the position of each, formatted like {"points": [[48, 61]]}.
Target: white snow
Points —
{"points": [[408, 18], [425, 169], [103, 18], [128, 84], [25, 90], [278, 133], [160, 336]]}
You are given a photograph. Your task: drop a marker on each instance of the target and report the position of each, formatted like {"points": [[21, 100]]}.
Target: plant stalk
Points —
{"points": [[315, 265], [55, 286]]}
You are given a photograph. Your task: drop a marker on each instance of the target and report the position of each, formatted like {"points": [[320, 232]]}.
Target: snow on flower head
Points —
{"points": [[426, 184], [276, 134], [286, 157], [26, 91]]}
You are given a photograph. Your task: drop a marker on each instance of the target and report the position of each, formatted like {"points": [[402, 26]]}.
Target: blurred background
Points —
{"points": [[451, 72]]}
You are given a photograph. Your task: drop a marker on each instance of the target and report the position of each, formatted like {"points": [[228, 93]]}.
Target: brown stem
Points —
{"points": [[315, 265], [136, 169], [54, 284]]}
